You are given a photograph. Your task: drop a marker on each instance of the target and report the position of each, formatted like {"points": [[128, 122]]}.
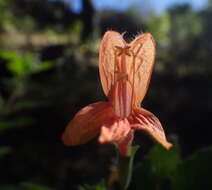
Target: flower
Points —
{"points": [[125, 71]]}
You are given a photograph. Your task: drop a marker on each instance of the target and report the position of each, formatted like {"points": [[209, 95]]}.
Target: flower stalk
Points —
{"points": [[125, 167]]}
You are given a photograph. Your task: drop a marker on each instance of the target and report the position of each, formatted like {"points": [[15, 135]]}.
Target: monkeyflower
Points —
{"points": [[125, 71]]}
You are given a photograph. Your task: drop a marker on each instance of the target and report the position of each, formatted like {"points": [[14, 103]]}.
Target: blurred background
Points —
{"points": [[48, 72]]}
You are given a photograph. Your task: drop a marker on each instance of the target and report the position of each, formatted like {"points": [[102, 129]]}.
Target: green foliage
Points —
{"points": [[23, 64], [8, 187], [186, 25], [27, 24], [26, 104], [4, 150], [76, 31], [195, 171], [24, 186], [159, 27], [6, 15], [1, 101], [30, 186], [161, 165], [99, 186], [163, 162], [15, 123], [158, 165]]}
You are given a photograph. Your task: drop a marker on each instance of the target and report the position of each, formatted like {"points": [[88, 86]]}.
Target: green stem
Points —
{"points": [[125, 168]]}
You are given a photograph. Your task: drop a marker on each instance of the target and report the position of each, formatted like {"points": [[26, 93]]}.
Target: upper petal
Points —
{"points": [[145, 120], [114, 131], [142, 61], [86, 123], [110, 40], [134, 61]]}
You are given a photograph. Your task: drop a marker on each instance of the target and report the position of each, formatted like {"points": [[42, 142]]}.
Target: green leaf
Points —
{"points": [[23, 64], [143, 177], [195, 172], [31, 186], [158, 166], [99, 186], [164, 162], [18, 64]]}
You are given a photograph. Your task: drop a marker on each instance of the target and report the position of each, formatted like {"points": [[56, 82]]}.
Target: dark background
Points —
{"points": [[48, 71]]}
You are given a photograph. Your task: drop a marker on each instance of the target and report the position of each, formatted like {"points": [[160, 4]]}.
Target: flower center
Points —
{"points": [[122, 98], [122, 91]]}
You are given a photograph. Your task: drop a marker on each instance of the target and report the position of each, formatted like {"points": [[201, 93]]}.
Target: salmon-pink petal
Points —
{"points": [[122, 98], [125, 143], [113, 132], [87, 122], [145, 120], [131, 61], [141, 62], [110, 40]]}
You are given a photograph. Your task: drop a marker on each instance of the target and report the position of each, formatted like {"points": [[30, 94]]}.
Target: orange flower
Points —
{"points": [[125, 71]]}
